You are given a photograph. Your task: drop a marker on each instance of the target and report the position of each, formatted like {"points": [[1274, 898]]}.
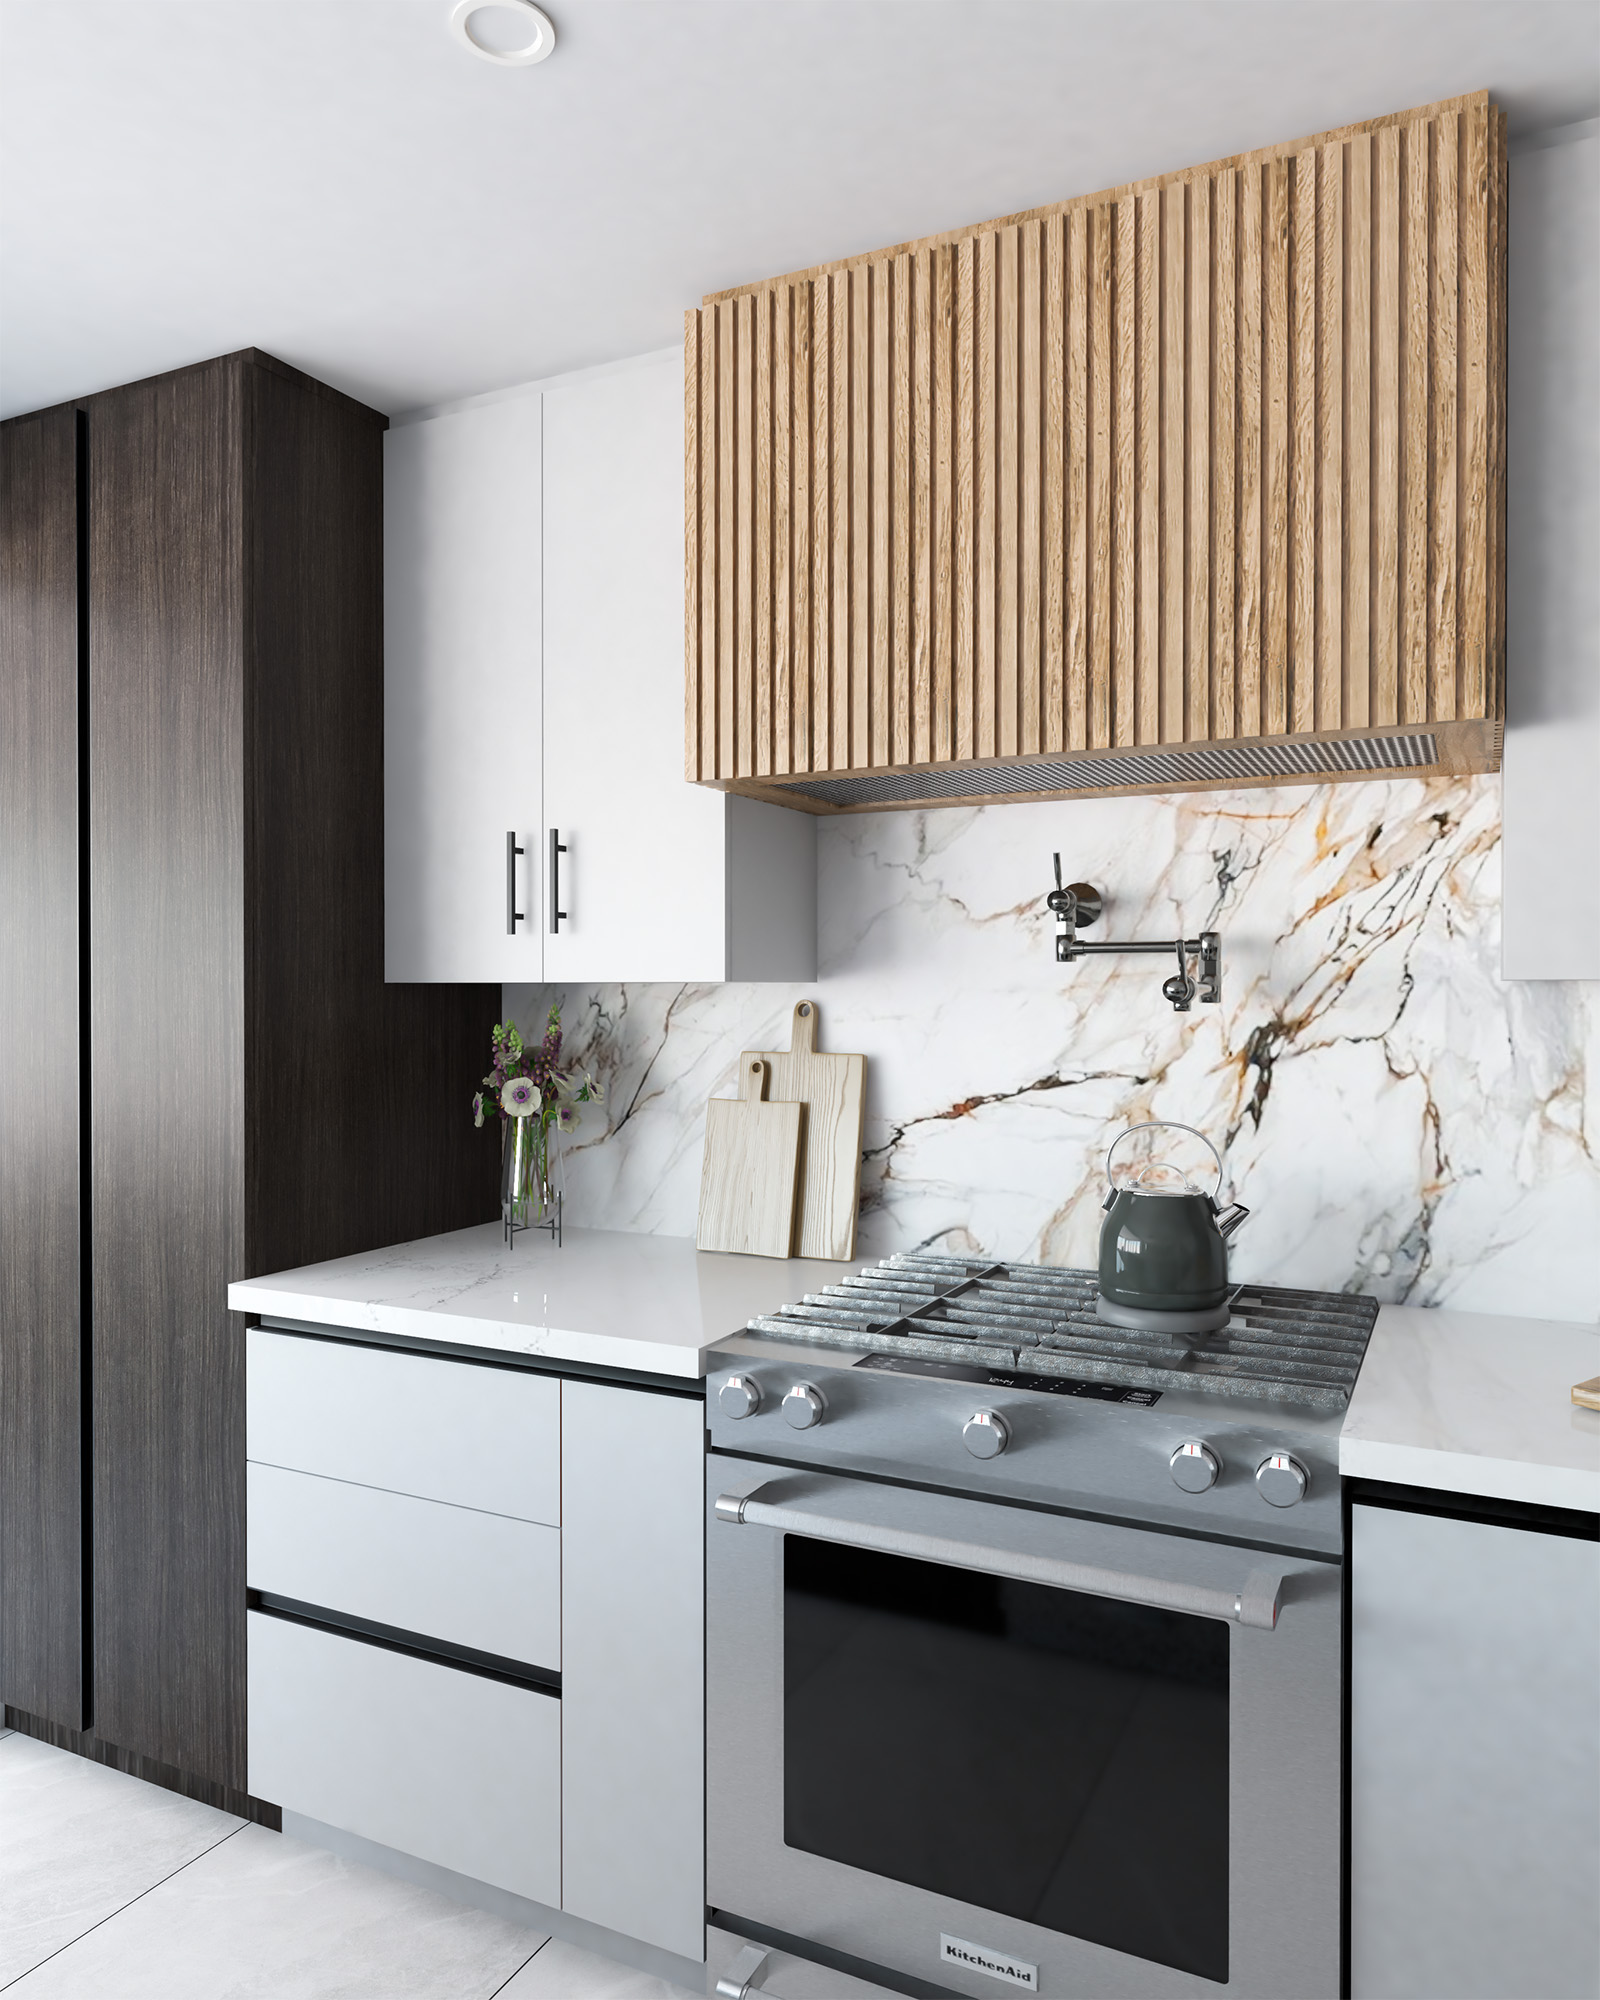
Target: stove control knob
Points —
{"points": [[803, 1407], [985, 1434], [1195, 1467], [1282, 1480], [739, 1397]]}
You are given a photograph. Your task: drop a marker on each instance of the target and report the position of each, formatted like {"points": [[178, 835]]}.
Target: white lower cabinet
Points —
{"points": [[450, 1766], [1474, 1760], [366, 1557], [633, 1682], [450, 1573]]}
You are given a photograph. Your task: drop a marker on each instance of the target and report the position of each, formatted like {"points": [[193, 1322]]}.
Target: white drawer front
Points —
{"points": [[478, 1580], [444, 1430], [452, 1767]]}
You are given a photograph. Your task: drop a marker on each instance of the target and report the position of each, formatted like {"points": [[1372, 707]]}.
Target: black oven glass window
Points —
{"points": [[1054, 1756]]}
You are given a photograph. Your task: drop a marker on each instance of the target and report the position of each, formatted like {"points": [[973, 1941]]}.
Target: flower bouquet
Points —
{"points": [[537, 1095]]}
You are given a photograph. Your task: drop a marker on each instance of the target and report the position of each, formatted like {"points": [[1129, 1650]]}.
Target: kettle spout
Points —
{"points": [[1230, 1218]]}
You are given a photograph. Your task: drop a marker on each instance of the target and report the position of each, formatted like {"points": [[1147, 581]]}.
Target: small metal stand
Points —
{"points": [[552, 1222], [1080, 903]]}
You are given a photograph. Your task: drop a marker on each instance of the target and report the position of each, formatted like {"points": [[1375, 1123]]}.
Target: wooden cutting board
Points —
{"points": [[750, 1177], [1587, 1393], [832, 1089]]}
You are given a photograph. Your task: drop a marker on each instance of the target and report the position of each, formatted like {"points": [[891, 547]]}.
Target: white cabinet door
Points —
{"points": [[1474, 1760], [661, 880], [448, 1765], [461, 694], [456, 1431], [1552, 751], [633, 1663], [453, 1574]]}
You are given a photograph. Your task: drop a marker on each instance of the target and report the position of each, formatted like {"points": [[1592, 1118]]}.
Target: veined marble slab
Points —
{"points": [[612, 1298], [1476, 1403], [1400, 1119]]}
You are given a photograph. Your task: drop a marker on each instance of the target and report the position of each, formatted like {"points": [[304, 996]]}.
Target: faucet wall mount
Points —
{"points": [[1081, 904]]}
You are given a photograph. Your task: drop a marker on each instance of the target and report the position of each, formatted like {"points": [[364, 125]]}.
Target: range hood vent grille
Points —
{"points": [[1147, 769]]}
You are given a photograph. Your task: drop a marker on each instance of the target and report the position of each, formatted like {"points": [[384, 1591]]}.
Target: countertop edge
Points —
{"points": [[546, 1343], [1470, 1474]]}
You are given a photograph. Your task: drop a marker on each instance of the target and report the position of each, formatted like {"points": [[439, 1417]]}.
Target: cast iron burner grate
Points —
{"points": [[1280, 1345]]}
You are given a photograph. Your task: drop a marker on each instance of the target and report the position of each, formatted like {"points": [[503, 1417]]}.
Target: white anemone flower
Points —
{"points": [[520, 1097]]}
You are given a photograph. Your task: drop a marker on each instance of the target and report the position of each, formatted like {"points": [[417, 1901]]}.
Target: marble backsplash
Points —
{"points": [[1400, 1120]]}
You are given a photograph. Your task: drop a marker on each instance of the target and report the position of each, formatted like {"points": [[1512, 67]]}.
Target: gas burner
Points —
{"points": [[1278, 1346]]}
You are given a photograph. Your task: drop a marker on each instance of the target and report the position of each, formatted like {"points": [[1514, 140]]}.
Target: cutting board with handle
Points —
{"points": [[832, 1089], [750, 1176]]}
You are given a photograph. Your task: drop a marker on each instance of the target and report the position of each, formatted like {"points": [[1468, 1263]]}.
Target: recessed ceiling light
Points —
{"points": [[510, 32]]}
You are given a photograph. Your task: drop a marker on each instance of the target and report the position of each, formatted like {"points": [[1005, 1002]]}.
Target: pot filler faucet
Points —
{"points": [[1080, 904]]}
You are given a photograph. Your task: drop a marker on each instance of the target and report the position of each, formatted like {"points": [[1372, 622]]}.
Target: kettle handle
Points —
{"points": [[1168, 1125]]}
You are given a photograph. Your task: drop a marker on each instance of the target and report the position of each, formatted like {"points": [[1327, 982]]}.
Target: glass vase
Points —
{"points": [[530, 1195]]}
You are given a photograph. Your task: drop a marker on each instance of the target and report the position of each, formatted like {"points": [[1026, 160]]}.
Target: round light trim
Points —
{"points": [[539, 22]]}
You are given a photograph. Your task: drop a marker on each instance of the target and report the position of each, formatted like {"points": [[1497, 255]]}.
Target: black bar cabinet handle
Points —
{"points": [[556, 852], [513, 915]]}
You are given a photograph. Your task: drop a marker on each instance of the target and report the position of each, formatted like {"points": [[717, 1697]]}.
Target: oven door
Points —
{"points": [[979, 1745]]}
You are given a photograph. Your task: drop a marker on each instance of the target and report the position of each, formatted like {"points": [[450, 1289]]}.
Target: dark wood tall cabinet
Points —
{"points": [[205, 1074]]}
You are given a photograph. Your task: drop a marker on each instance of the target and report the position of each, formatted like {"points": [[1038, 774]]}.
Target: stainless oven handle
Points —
{"points": [[1255, 1603]]}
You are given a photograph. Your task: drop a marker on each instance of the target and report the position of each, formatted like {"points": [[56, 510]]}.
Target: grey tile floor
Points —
{"points": [[111, 1889]]}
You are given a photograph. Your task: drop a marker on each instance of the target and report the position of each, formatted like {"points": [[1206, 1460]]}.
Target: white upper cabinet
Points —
{"points": [[461, 561], [534, 559], [1552, 753]]}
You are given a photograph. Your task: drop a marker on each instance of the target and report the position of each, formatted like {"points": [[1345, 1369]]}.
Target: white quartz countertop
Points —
{"points": [[606, 1297], [1476, 1403]]}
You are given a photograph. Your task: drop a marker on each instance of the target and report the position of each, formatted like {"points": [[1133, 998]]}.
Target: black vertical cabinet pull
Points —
{"points": [[557, 914], [514, 916]]}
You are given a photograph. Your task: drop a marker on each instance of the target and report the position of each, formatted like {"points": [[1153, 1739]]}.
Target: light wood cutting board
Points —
{"points": [[832, 1089], [750, 1177]]}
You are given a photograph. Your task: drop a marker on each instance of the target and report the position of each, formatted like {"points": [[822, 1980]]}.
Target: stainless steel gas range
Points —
{"points": [[1024, 1637]]}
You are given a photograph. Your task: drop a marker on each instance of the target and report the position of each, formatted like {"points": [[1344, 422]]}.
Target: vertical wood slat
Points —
{"points": [[761, 593], [846, 603], [1385, 481], [1221, 457], [1030, 524], [1098, 512], [1303, 451], [1056, 506], [985, 555], [783, 702], [1075, 259], [902, 645], [1197, 471], [1329, 436], [1249, 612], [728, 763], [879, 315], [1147, 555], [1442, 321], [923, 698], [964, 698], [800, 518], [1173, 438], [1224, 448], [1122, 523], [1355, 683], [742, 492]]}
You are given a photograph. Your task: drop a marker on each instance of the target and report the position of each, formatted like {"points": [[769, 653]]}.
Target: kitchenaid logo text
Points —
{"points": [[958, 1951]]}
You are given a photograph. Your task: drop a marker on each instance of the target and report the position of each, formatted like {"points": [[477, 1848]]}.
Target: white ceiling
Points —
{"points": [[341, 183]]}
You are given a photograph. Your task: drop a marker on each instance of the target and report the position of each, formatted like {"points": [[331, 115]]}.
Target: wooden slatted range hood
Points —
{"points": [[1197, 482]]}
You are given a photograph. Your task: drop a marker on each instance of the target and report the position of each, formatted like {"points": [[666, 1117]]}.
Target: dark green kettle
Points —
{"points": [[1164, 1245]]}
